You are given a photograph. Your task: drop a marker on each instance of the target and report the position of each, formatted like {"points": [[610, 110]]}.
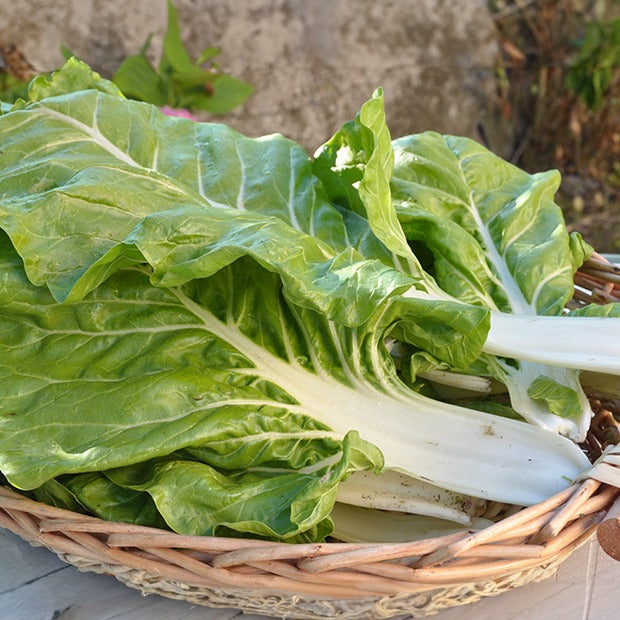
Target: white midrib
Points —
{"points": [[98, 138], [513, 462], [94, 134], [516, 299]]}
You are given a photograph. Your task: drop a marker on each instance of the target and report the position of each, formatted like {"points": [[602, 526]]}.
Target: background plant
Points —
{"points": [[559, 87], [177, 81]]}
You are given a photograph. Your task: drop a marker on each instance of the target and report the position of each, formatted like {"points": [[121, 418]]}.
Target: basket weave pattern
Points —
{"points": [[326, 580], [339, 580]]}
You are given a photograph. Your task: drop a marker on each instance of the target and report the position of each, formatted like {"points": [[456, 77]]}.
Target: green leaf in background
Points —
{"points": [[174, 55], [222, 94], [591, 73], [11, 90], [186, 83], [207, 54], [137, 79]]}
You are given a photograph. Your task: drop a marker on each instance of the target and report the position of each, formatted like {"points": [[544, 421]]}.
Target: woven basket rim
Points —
{"points": [[524, 547]]}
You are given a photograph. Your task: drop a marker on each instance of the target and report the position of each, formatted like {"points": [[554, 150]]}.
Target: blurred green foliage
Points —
{"points": [[177, 81], [591, 73]]}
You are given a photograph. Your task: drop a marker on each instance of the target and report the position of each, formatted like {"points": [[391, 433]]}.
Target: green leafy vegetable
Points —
{"points": [[212, 328], [492, 237]]}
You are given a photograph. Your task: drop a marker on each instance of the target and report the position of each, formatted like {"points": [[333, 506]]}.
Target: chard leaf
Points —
{"points": [[498, 240], [73, 77], [114, 183], [458, 261], [53, 493], [356, 168], [109, 501], [114, 175], [230, 371], [187, 387], [122, 378], [269, 502], [611, 310], [559, 398], [523, 245]]}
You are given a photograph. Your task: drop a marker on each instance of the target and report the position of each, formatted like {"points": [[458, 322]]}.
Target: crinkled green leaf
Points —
{"points": [[74, 76], [104, 187], [524, 248], [356, 167], [497, 239], [268, 502], [182, 390], [442, 205], [454, 251], [561, 400], [109, 501], [611, 310], [447, 330]]}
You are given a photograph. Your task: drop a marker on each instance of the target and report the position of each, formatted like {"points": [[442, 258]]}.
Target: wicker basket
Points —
{"points": [[346, 580]]}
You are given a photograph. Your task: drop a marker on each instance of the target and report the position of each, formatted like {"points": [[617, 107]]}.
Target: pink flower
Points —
{"points": [[181, 112]]}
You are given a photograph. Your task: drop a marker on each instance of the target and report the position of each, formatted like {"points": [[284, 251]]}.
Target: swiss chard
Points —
{"points": [[491, 236], [205, 314]]}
